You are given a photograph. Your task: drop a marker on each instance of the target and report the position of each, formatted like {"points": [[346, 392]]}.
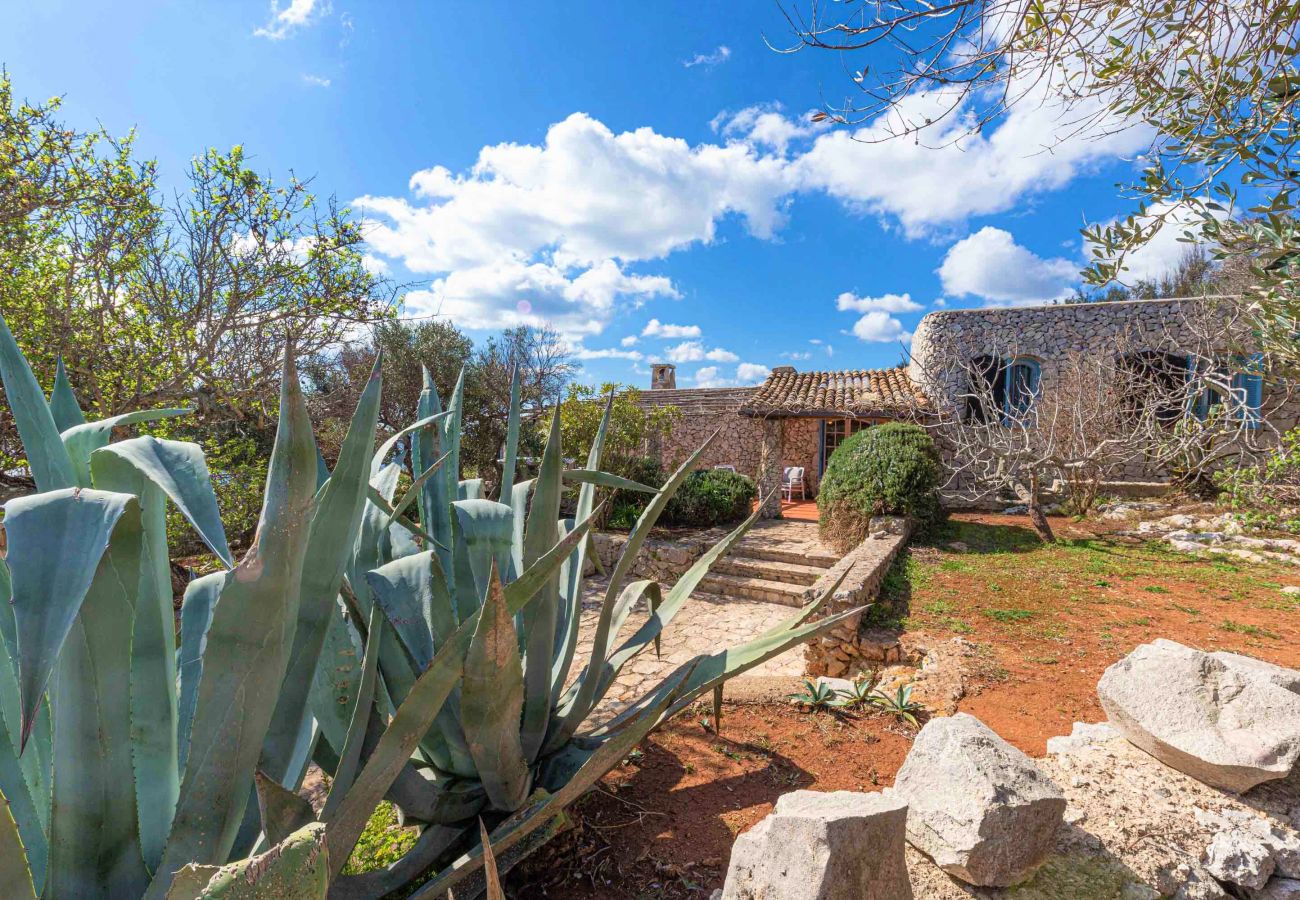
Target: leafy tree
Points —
{"points": [[163, 302], [1214, 81], [631, 426]]}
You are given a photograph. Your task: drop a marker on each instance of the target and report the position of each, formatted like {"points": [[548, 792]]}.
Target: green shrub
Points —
{"points": [[711, 497], [626, 506], [888, 470], [1266, 493]]}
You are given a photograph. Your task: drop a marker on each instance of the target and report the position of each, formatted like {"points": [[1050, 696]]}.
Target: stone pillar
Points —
{"points": [[771, 467]]}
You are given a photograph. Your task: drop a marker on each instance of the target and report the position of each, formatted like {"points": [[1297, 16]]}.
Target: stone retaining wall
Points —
{"points": [[848, 647], [661, 559]]}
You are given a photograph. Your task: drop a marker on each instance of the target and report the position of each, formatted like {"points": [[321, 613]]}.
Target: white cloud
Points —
{"points": [[315, 81], [515, 293], [1160, 255], [797, 356], [751, 372], [629, 341], [581, 352], [288, 19], [374, 265], [830, 351], [991, 265], [765, 125], [880, 327], [890, 303], [693, 351], [713, 58], [707, 376], [948, 175], [655, 328]]}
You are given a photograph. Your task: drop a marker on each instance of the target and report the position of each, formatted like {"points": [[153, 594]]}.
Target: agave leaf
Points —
{"points": [[350, 755], [426, 445], [417, 712], [196, 615], [295, 869], [401, 541], [380, 457], [14, 872], [492, 696], [542, 617], [95, 846], [56, 540], [154, 715], [605, 479], [570, 611], [412, 493], [451, 435], [180, 471], [519, 496], [22, 784], [337, 678], [83, 440], [64, 408], [282, 811], [416, 603], [487, 529], [490, 875], [518, 827], [337, 517], [470, 489], [49, 462], [566, 723], [247, 651], [511, 460]]}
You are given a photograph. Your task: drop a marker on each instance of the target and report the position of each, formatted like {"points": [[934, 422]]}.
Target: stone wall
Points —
{"points": [[801, 447], [848, 647], [661, 559], [739, 442], [1047, 334]]}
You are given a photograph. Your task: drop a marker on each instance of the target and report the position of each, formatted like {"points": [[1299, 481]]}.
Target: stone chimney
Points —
{"points": [[663, 377]]}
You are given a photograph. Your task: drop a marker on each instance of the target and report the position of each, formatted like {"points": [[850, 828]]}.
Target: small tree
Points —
{"points": [[631, 425]]}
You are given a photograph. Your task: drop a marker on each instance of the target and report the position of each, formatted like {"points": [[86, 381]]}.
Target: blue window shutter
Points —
{"points": [[1252, 384]]}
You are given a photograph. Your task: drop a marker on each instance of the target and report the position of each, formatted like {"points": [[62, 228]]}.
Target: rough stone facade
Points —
{"points": [[1047, 334], [848, 647], [662, 560]]}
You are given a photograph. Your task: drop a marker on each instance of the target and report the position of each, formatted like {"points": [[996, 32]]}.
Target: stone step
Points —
{"points": [[768, 569], [822, 559], [737, 587]]}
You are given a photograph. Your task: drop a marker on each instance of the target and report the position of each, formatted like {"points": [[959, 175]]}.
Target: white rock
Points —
{"points": [[1082, 734], [1239, 857], [981, 809], [1278, 889], [816, 846], [1227, 720], [835, 684], [1187, 881], [1292, 590]]}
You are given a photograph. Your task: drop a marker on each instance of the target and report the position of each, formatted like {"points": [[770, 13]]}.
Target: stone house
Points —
{"points": [[799, 418]]}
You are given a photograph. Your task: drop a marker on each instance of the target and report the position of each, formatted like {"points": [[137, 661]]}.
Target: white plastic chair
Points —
{"points": [[791, 481]]}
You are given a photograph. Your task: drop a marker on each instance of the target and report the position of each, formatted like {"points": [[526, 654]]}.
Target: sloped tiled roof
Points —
{"points": [[856, 392], [697, 401]]}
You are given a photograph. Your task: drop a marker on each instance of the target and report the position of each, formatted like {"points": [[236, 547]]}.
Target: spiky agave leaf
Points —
{"points": [[15, 874], [46, 456], [64, 407]]}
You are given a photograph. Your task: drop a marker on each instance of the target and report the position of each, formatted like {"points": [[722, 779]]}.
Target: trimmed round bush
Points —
{"points": [[886, 470], [710, 497]]}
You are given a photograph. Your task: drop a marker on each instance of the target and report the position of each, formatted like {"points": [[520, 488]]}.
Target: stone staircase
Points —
{"points": [[757, 570]]}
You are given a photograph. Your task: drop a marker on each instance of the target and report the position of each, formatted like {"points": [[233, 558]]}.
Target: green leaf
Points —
{"points": [[426, 446], [510, 462], [154, 716], [55, 543], [179, 471], [14, 873], [380, 456], [64, 407], [487, 529], [247, 651], [350, 755], [295, 869], [605, 479], [542, 618], [492, 697], [95, 846], [282, 811], [196, 615], [334, 524], [83, 440], [49, 462], [338, 675], [412, 493]]}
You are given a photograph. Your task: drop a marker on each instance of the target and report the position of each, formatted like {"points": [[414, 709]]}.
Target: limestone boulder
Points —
{"points": [[819, 846], [1278, 889], [981, 809], [1227, 720]]}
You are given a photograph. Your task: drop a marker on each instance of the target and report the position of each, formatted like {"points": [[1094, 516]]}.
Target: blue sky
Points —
{"points": [[642, 176]]}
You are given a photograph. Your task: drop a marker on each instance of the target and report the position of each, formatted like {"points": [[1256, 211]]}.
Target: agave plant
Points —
{"points": [[900, 704], [428, 663], [816, 695]]}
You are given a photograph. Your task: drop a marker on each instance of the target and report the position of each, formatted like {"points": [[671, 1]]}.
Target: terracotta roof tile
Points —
{"points": [[697, 401], [856, 392]]}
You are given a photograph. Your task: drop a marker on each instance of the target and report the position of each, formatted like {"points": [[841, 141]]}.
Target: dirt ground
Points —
{"points": [[1047, 621]]}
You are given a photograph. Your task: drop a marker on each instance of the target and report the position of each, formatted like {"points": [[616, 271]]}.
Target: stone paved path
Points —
{"points": [[707, 623]]}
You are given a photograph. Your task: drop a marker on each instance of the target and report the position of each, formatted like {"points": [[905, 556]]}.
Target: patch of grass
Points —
{"points": [[382, 842], [1009, 615], [1155, 589], [1248, 629]]}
